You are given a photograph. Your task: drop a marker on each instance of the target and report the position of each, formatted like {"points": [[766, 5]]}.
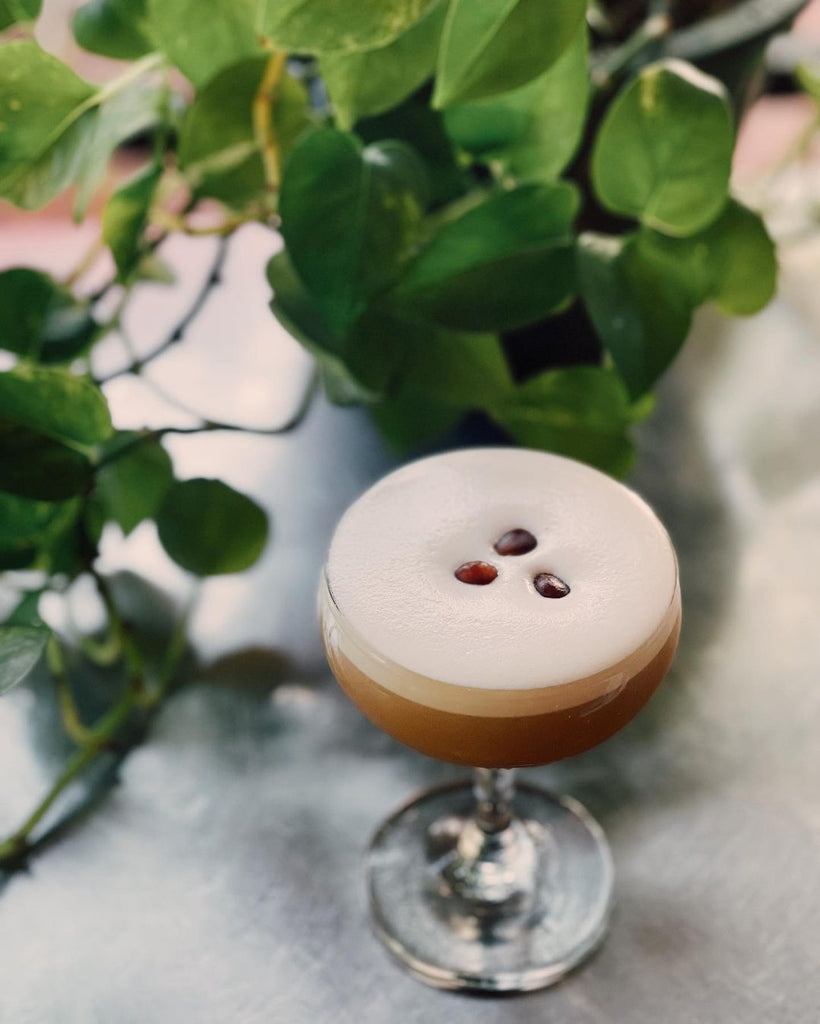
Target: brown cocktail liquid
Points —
{"points": [[506, 728]]}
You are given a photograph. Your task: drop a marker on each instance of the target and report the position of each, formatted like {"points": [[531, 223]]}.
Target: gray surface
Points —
{"points": [[221, 881]]}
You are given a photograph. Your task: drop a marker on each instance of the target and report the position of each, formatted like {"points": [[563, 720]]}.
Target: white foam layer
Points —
{"points": [[391, 563]]}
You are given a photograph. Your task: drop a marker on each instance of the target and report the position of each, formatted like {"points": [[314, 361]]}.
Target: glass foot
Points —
{"points": [[508, 910]]}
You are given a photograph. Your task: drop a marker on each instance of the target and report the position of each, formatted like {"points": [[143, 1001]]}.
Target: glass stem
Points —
{"points": [[493, 788], [489, 870]]}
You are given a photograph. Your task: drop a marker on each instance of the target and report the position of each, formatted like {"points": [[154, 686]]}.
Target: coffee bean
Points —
{"points": [[549, 585], [477, 573], [515, 542]]}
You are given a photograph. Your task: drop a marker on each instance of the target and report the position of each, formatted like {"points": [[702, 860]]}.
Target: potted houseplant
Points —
{"points": [[508, 208]]}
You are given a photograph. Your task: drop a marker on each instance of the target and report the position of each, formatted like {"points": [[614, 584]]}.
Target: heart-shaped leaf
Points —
{"points": [[113, 28], [132, 486], [40, 320], [732, 262], [133, 109], [210, 529], [349, 216], [55, 402], [47, 117], [663, 152], [58, 129]]}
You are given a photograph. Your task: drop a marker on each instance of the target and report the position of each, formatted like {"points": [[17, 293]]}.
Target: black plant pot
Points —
{"points": [[729, 46]]}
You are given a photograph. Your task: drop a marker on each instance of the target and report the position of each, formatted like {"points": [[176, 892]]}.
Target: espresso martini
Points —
{"points": [[496, 607], [500, 607]]}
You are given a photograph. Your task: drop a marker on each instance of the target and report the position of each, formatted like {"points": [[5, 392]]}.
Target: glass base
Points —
{"points": [[545, 888]]}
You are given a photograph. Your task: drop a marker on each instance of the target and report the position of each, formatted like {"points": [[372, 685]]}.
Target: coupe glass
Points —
{"points": [[485, 884]]}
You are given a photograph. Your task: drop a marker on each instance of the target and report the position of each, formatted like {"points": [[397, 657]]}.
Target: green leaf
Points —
{"points": [[411, 419], [209, 528], [431, 374], [125, 217], [34, 466], [349, 216], [133, 109], [505, 263], [467, 371], [45, 120], [23, 520], [295, 309], [39, 319], [664, 149], [113, 28], [202, 42], [583, 412], [55, 402], [497, 45], [14, 11], [380, 345], [422, 128], [28, 527], [641, 313], [131, 487], [327, 26], [372, 81], [532, 132], [732, 262], [218, 150], [444, 375], [20, 650], [744, 261], [56, 129]]}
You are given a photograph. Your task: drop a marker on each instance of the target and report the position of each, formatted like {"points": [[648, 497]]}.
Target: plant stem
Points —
{"points": [[210, 426], [86, 263], [150, 62], [173, 222], [212, 279], [263, 126], [657, 25], [289, 425], [101, 737], [17, 843], [131, 654], [73, 724]]}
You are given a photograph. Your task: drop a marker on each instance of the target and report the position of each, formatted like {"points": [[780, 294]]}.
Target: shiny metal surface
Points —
{"points": [[221, 881]]}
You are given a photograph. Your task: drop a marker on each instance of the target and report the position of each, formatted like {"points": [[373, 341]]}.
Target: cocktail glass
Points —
{"points": [[486, 885]]}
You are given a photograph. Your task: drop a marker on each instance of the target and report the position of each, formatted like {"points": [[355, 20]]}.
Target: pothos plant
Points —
{"points": [[443, 173]]}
